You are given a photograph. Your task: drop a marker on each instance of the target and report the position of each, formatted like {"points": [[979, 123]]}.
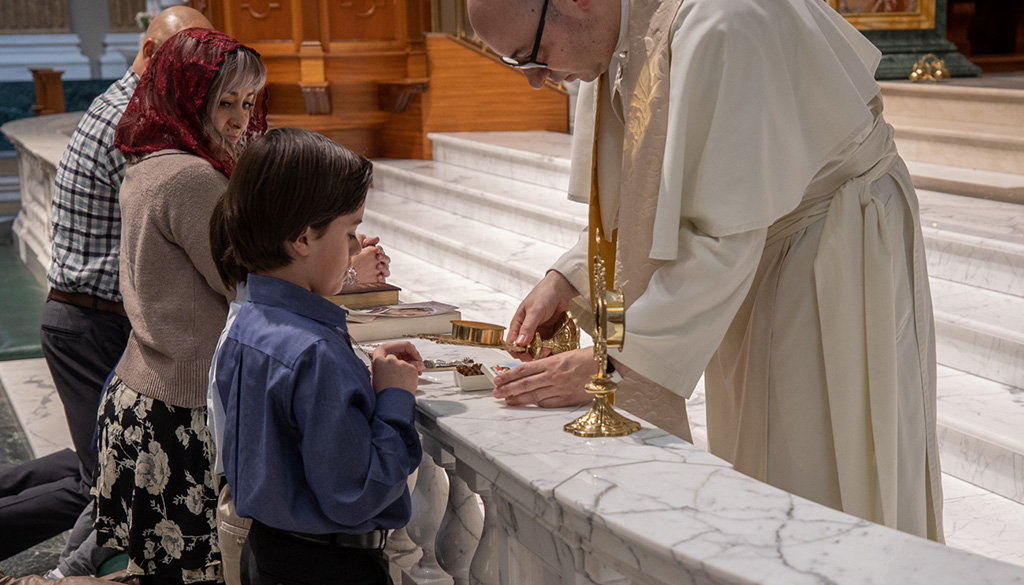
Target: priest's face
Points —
{"points": [[553, 40]]}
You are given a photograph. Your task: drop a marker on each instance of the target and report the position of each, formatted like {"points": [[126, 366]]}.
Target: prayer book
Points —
{"points": [[366, 294]]}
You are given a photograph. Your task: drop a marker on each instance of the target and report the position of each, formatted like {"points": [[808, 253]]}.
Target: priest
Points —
{"points": [[765, 232]]}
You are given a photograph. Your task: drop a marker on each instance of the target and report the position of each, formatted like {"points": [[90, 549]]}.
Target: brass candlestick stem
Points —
{"points": [[609, 330]]}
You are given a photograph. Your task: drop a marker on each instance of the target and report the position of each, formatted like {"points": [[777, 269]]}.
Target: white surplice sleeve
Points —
{"points": [[673, 329], [675, 326]]}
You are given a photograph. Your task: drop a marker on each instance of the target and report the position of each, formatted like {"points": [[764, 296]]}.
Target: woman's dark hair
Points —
{"points": [[285, 181]]}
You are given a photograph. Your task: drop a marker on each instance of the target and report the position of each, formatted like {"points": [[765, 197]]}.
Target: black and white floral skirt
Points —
{"points": [[156, 493]]}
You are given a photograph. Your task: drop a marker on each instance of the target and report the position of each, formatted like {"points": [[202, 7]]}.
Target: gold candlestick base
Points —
{"points": [[601, 420]]}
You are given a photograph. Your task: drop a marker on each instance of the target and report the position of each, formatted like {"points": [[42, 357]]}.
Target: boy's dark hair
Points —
{"points": [[285, 181]]}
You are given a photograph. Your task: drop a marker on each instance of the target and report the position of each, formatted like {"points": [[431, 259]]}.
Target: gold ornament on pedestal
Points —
{"points": [[929, 68], [609, 331]]}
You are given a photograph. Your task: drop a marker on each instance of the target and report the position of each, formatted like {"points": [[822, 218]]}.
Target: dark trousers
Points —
{"points": [[271, 557], [82, 346], [42, 498]]}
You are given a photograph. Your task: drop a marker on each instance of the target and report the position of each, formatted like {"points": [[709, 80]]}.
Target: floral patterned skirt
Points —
{"points": [[156, 493]]}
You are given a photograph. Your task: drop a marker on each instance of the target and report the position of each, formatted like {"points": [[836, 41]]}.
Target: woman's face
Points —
{"points": [[231, 115]]}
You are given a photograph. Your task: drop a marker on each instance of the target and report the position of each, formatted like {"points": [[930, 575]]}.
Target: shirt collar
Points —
{"points": [[276, 292]]}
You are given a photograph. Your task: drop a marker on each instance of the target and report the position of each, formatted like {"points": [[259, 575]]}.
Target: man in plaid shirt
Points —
{"points": [[84, 328]]}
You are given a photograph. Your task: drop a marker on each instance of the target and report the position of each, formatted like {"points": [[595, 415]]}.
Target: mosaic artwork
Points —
{"points": [[877, 6]]}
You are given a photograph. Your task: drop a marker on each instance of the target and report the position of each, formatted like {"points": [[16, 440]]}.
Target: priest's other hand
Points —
{"points": [[550, 382], [544, 305]]}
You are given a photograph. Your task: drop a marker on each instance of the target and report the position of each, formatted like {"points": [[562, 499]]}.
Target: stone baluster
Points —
{"points": [[401, 551], [485, 567], [428, 503], [461, 527]]}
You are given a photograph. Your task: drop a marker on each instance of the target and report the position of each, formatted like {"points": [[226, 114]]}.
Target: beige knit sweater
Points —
{"points": [[172, 292]]}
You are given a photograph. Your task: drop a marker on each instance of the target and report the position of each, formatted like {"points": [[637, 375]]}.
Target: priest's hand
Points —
{"points": [[542, 307], [551, 382]]}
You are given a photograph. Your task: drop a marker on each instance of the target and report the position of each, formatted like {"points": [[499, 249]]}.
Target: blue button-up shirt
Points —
{"points": [[308, 447]]}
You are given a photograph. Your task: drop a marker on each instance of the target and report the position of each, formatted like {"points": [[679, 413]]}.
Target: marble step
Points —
{"points": [[958, 180], [987, 146], [540, 158], [955, 102], [979, 331], [981, 432], [975, 242], [503, 259], [521, 207], [963, 125]]}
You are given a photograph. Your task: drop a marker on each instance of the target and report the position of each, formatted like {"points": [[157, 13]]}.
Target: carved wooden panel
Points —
{"points": [[34, 16], [261, 20], [122, 15], [366, 20]]}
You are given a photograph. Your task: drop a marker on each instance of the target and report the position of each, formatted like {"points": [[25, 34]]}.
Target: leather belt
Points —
{"points": [[87, 301], [371, 540]]}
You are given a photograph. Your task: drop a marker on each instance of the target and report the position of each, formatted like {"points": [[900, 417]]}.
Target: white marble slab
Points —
{"points": [[544, 213], [966, 181], [36, 404], [506, 260], [992, 220], [979, 331], [979, 521], [540, 158], [981, 432], [657, 509], [977, 261]]}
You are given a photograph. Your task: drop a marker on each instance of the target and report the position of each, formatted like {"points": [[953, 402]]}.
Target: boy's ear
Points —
{"points": [[299, 248]]}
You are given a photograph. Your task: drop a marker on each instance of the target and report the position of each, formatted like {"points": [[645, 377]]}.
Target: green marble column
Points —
{"points": [[902, 48]]}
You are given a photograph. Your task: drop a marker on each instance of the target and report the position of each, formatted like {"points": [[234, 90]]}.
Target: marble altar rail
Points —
{"points": [[40, 143], [648, 508]]}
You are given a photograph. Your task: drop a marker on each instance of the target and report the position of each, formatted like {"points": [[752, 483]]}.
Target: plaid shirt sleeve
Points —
{"points": [[86, 217]]}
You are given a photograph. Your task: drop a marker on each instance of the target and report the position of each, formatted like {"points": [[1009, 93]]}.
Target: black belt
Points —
{"points": [[371, 540]]}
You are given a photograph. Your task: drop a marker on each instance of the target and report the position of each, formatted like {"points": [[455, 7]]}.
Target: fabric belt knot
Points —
{"points": [[855, 291]]}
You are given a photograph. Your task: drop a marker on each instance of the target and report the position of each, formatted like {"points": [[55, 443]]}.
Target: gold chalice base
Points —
{"points": [[601, 420]]}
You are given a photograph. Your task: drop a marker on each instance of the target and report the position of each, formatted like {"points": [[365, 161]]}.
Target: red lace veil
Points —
{"points": [[166, 111]]}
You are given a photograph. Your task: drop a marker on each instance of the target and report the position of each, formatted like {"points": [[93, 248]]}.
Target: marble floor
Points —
{"points": [[15, 448]]}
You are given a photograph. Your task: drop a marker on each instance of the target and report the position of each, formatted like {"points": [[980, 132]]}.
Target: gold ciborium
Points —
{"points": [[565, 337], [609, 331]]}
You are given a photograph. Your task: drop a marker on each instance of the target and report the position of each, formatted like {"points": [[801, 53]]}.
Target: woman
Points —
{"points": [[198, 103]]}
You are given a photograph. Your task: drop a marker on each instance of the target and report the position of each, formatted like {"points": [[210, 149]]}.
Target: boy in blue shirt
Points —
{"points": [[317, 448]]}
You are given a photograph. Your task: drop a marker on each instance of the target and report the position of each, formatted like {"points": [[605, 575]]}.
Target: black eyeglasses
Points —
{"points": [[532, 62]]}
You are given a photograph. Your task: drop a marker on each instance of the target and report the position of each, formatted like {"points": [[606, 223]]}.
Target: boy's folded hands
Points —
{"points": [[395, 364]]}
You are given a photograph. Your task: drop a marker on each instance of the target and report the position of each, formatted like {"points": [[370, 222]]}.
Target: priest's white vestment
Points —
{"points": [[768, 234]]}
